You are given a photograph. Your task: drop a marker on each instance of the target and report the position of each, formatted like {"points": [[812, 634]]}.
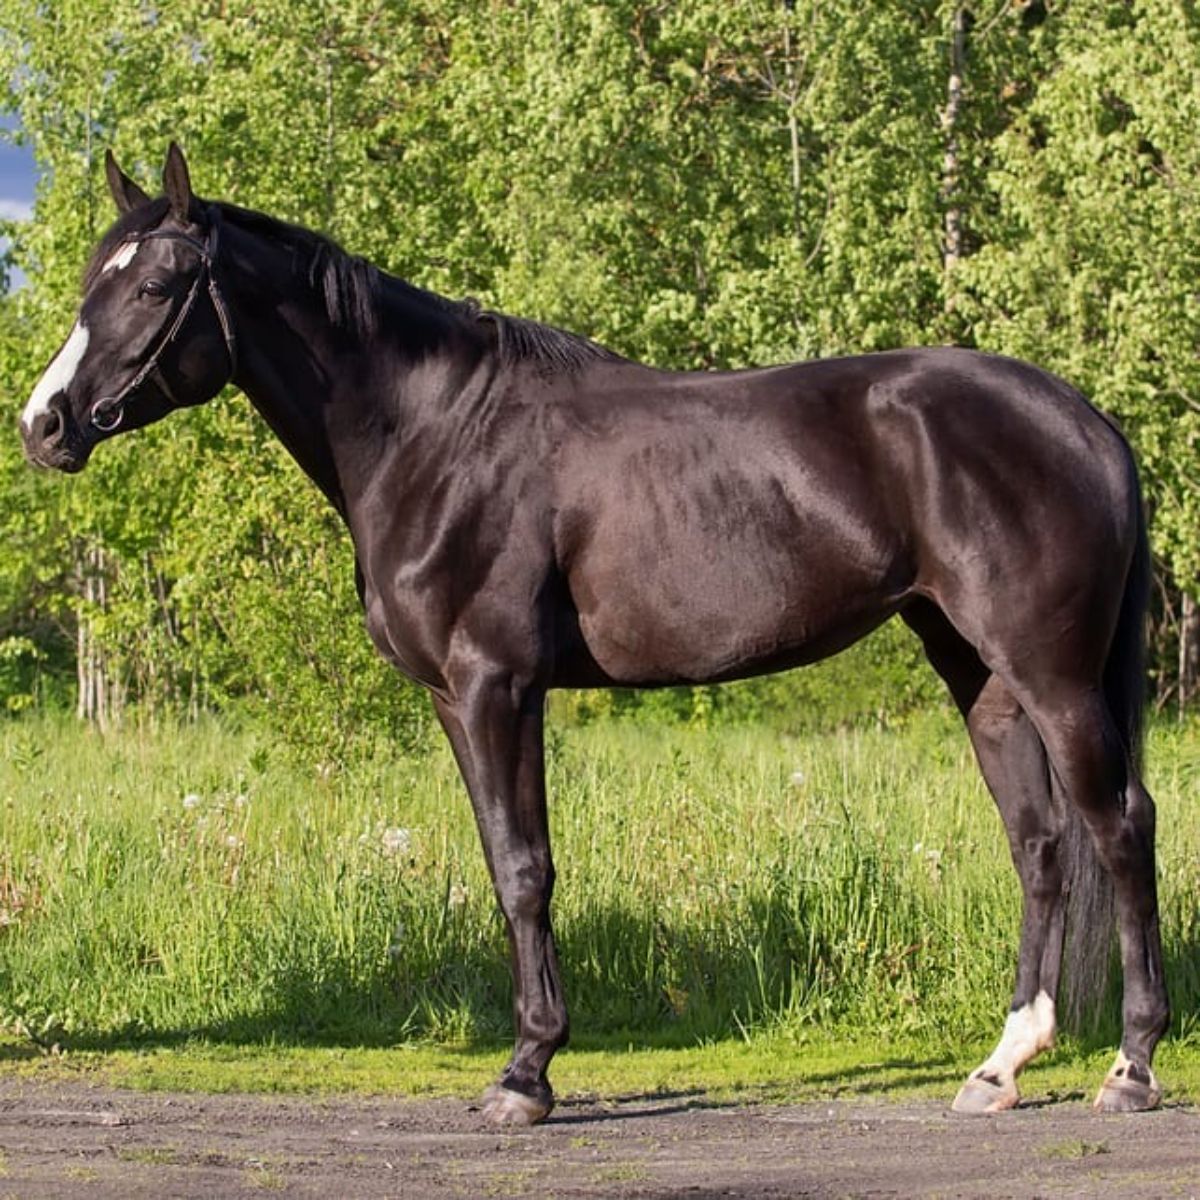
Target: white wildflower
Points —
{"points": [[458, 896], [233, 841], [396, 945], [191, 800], [798, 778], [396, 842]]}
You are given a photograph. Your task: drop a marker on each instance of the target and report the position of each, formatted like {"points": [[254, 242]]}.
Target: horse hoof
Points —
{"points": [[1129, 1087], [985, 1094], [1126, 1095], [503, 1106]]}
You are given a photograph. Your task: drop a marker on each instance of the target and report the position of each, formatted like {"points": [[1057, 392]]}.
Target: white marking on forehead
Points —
{"points": [[123, 256], [58, 375]]}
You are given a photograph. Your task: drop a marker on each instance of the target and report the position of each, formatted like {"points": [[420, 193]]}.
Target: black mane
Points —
{"points": [[351, 287], [348, 284], [523, 340]]}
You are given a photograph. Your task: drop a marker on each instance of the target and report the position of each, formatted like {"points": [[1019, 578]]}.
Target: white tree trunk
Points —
{"points": [[952, 242]]}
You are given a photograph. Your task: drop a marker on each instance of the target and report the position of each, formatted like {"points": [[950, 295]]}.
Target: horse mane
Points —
{"points": [[522, 340], [348, 284], [351, 288]]}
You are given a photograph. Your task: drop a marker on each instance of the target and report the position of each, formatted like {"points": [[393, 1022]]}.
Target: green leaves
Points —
{"points": [[1093, 246], [697, 185]]}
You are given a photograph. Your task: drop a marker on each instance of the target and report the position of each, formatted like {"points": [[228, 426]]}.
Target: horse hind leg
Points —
{"points": [[1013, 761], [1098, 775], [1012, 758]]}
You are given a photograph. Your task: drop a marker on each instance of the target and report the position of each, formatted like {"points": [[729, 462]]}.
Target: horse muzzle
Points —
{"points": [[53, 441]]}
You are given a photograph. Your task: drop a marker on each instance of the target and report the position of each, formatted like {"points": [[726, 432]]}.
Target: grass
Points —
{"points": [[1073, 1148], [185, 907], [768, 1068], [153, 1156]]}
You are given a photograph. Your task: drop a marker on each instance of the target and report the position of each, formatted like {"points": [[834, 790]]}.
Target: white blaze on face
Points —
{"points": [[123, 256], [58, 375]]}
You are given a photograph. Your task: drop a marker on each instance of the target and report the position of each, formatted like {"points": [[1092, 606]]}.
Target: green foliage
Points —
{"points": [[883, 681], [19, 661], [1093, 246], [283, 633], [708, 184]]}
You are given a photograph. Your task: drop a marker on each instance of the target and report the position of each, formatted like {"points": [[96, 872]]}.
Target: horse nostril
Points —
{"points": [[52, 428]]}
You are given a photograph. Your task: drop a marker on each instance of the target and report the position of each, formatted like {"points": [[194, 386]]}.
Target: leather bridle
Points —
{"points": [[109, 411]]}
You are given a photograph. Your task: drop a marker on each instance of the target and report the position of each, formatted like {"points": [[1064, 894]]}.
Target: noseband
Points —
{"points": [[109, 411]]}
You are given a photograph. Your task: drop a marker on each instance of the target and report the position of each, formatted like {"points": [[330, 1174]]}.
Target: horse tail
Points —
{"points": [[1125, 670], [1091, 905]]}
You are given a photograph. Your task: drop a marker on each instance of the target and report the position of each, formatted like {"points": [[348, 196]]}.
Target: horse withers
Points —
{"points": [[530, 510]]}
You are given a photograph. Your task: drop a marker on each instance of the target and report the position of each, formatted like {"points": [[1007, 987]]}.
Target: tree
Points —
{"points": [[1092, 244], [696, 185]]}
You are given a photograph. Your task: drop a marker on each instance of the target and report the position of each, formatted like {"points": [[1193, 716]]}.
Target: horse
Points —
{"points": [[530, 510]]}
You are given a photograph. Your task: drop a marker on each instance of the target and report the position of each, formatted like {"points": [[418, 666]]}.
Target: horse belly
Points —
{"points": [[689, 609]]}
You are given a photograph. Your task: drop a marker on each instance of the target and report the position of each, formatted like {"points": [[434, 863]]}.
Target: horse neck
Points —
{"points": [[334, 393]]}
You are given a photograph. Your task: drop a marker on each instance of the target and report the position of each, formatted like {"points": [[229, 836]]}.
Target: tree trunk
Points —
{"points": [[791, 96], [98, 696], [952, 242], [1189, 649]]}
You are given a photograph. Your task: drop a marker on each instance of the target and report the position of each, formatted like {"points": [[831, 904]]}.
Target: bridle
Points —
{"points": [[109, 411]]}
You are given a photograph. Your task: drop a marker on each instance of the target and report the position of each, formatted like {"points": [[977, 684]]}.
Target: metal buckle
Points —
{"points": [[107, 414]]}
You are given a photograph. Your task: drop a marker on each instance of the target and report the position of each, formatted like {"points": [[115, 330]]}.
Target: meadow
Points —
{"points": [[174, 887]]}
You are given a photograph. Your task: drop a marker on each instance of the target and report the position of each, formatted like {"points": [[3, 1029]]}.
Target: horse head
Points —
{"points": [[152, 333]]}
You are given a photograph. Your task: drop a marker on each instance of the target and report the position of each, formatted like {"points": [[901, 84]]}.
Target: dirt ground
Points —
{"points": [[74, 1140]]}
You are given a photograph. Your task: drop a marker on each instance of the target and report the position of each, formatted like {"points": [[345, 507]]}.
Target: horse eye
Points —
{"points": [[151, 287]]}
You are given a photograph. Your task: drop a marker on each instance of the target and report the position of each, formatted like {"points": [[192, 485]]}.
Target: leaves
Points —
{"points": [[698, 185]]}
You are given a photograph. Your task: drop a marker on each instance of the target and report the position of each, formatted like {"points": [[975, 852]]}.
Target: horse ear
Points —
{"points": [[125, 192], [177, 184]]}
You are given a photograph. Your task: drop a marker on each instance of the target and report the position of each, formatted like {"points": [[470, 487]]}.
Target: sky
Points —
{"points": [[18, 180], [18, 176]]}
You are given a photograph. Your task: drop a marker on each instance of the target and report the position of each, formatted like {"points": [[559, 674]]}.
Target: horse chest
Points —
{"points": [[408, 608], [471, 584]]}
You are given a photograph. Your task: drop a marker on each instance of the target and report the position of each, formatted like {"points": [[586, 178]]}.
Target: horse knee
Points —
{"points": [[524, 892], [550, 1026]]}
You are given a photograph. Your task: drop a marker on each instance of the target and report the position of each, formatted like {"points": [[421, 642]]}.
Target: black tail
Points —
{"points": [[1090, 907]]}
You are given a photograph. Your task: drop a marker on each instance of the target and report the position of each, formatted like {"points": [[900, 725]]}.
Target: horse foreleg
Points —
{"points": [[495, 730]]}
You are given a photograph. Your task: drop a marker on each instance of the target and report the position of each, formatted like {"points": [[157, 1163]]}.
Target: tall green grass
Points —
{"points": [[166, 883]]}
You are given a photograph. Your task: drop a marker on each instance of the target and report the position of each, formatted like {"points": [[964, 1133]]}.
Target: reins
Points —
{"points": [[109, 411]]}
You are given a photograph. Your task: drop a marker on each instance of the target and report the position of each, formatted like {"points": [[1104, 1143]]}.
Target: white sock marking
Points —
{"points": [[122, 257], [1027, 1032], [58, 375]]}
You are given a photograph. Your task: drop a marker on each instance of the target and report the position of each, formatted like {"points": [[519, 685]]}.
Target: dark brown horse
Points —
{"points": [[531, 511]]}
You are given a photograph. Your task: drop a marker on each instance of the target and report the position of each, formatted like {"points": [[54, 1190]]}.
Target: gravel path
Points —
{"points": [[74, 1140]]}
